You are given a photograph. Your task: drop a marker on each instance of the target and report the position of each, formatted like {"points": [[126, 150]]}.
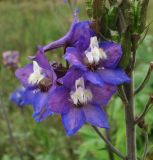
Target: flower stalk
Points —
{"points": [[110, 153], [146, 109], [10, 132], [146, 145], [109, 145], [145, 81], [129, 120]]}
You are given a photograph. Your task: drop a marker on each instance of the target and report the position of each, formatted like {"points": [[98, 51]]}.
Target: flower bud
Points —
{"points": [[112, 17], [135, 17], [11, 59], [89, 8]]}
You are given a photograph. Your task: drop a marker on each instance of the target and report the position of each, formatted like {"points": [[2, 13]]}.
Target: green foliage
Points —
{"points": [[25, 24]]}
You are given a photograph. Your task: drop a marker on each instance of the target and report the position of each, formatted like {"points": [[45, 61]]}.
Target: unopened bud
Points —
{"points": [[135, 37], [142, 123], [11, 59], [151, 99], [151, 64]]}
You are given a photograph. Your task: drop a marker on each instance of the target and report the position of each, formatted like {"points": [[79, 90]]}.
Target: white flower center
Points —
{"points": [[80, 95], [37, 75], [96, 53]]}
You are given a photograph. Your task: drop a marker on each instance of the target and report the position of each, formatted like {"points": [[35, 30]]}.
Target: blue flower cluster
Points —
{"points": [[80, 91]]}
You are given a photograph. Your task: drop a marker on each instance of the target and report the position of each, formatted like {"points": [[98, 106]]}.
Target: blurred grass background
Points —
{"points": [[24, 24]]}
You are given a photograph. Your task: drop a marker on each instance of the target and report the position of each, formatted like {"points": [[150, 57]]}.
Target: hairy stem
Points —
{"points": [[129, 120], [109, 145]]}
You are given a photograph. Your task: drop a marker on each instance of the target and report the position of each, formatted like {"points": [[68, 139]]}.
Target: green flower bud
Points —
{"points": [[112, 17], [89, 8], [135, 17]]}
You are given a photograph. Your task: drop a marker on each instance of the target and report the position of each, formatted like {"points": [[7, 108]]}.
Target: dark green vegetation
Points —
{"points": [[23, 26]]}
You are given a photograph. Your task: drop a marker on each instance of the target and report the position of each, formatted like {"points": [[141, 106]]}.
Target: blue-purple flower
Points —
{"points": [[87, 83], [79, 101], [39, 79], [99, 62]]}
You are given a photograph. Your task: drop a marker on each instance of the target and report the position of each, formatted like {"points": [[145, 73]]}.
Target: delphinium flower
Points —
{"points": [[79, 101], [39, 79], [99, 62], [88, 82], [11, 59]]}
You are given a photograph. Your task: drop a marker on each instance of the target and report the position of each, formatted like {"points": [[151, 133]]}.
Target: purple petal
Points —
{"points": [[57, 44], [41, 110], [95, 116], [113, 52], [62, 41], [71, 76], [42, 115], [74, 57], [41, 59], [23, 74], [78, 36], [101, 94], [40, 100], [93, 77], [28, 96], [21, 97], [114, 77], [81, 35], [73, 120], [58, 100]]}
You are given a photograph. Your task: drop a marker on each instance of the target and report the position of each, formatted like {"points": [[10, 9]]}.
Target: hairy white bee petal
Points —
{"points": [[94, 42], [79, 83], [96, 53], [90, 58], [37, 75], [80, 95]]}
